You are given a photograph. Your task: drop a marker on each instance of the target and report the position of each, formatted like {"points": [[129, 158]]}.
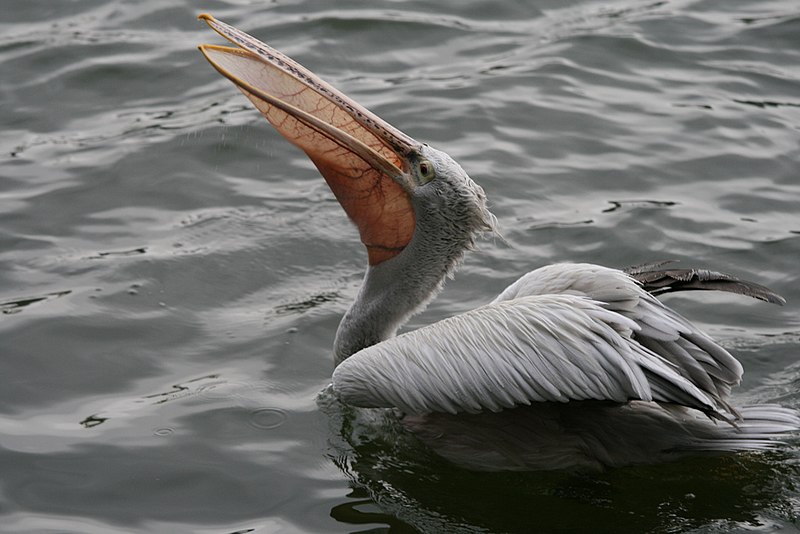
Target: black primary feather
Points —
{"points": [[657, 280]]}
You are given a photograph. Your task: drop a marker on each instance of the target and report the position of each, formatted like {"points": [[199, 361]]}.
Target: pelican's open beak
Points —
{"points": [[365, 160]]}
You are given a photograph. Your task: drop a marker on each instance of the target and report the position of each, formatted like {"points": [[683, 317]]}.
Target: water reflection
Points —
{"points": [[19, 304], [717, 492], [172, 275]]}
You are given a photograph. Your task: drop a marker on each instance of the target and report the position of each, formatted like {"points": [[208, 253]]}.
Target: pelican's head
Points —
{"points": [[392, 187]]}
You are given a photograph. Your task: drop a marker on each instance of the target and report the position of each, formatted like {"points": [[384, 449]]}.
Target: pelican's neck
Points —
{"points": [[394, 290], [450, 211]]}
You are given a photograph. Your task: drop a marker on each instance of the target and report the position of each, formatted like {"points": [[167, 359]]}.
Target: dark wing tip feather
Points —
{"points": [[657, 280]]}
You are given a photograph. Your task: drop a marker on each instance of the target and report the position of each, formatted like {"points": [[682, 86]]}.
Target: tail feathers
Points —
{"points": [[762, 427]]}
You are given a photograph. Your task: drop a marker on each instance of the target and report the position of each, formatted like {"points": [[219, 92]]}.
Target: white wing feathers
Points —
{"points": [[563, 332], [697, 357], [530, 349]]}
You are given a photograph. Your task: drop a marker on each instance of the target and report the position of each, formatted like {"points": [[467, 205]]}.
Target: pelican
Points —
{"points": [[571, 366]]}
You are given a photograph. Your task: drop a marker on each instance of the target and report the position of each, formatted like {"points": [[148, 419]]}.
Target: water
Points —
{"points": [[172, 272]]}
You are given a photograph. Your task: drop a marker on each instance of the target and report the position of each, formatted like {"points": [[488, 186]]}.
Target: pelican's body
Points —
{"points": [[572, 365]]}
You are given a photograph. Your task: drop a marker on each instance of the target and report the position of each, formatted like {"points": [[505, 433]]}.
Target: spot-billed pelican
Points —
{"points": [[572, 365]]}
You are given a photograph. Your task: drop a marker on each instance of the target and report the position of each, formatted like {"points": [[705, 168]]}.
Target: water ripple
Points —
{"points": [[172, 273]]}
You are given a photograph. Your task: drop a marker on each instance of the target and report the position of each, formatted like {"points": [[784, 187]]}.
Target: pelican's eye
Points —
{"points": [[426, 171]]}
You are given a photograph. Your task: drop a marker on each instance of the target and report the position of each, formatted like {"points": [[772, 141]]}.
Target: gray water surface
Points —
{"points": [[172, 272]]}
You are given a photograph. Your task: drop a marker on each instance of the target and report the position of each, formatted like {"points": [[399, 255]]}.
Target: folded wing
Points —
{"points": [[695, 355], [540, 348]]}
